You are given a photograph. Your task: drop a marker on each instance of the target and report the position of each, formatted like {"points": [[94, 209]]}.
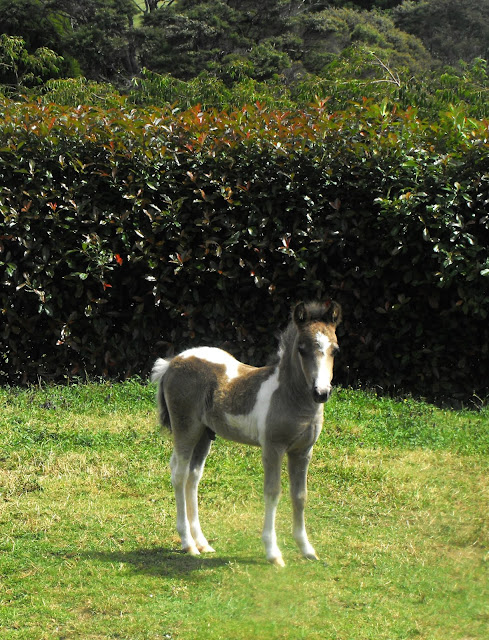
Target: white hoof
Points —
{"points": [[191, 550], [277, 561], [306, 548], [206, 548]]}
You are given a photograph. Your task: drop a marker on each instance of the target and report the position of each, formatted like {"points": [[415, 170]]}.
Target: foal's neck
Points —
{"points": [[293, 382]]}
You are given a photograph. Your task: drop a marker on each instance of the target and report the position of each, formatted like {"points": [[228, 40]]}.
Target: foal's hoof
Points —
{"points": [[277, 562], [206, 548], [308, 552], [192, 550]]}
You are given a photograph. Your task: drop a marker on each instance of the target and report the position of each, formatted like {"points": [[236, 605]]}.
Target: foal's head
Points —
{"points": [[316, 344]]}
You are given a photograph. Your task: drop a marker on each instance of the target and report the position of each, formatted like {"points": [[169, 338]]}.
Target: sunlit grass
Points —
{"points": [[398, 503]]}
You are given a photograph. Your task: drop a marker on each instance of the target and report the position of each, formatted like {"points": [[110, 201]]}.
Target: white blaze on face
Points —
{"points": [[216, 356], [324, 372]]}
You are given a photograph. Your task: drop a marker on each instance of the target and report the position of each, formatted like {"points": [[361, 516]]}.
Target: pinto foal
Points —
{"points": [[205, 391]]}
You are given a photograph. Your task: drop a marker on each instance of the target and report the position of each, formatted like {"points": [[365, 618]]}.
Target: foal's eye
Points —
{"points": [[302, 350], [335, 350]]}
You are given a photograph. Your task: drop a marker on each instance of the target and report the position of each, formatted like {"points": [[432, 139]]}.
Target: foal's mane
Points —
{"points": [[314, 312]]}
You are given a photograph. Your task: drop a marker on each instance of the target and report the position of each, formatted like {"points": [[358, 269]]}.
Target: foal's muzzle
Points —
{"points": [[321, 396]]}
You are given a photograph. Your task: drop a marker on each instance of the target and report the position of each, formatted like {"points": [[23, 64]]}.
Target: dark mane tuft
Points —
{"points": [[315, 311]]}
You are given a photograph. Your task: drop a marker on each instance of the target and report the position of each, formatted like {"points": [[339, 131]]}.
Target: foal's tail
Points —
{"points": [[157, 375]]}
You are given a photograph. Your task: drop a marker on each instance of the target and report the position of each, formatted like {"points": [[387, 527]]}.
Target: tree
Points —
{"points": [[152, 5], [100, 34], [366, 5], [329, 33], [21, 70], [189, 38], [450, 30], [31, 20]]}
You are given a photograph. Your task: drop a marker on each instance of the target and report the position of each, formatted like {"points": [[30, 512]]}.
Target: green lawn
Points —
{"points": [[398, 511]]}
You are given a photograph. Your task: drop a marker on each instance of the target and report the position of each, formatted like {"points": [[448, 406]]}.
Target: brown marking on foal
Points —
{"points": [[238, 397]]}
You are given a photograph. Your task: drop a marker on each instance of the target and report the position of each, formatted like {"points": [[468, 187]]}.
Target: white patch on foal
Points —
{"points": [[253, 424], [216, 356]]}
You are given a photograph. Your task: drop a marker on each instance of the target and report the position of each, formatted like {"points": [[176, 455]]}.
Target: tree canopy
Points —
{"points": [[114, 40]]}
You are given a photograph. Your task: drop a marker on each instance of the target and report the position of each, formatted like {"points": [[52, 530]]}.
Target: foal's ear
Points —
{"points": [[335, 313], [300, 313]]}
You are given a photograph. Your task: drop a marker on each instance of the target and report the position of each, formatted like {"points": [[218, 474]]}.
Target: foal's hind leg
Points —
{"points": [[179, 465], [298, 463], [191, 446], [196, 470]]}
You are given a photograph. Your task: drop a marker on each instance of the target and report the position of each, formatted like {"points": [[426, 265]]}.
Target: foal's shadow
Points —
{"points": [[161, 561]]}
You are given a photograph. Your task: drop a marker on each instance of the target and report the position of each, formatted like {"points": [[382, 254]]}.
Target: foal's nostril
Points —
{"points": [[321, 396]]}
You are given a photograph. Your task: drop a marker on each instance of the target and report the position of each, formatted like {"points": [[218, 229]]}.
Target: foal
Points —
{"points": [[205, 391]]}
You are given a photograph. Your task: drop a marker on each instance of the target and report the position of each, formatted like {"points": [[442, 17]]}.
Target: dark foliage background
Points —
{"points": [[128, 234]]}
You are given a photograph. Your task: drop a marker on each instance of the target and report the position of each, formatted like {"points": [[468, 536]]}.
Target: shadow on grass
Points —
{"points": [[160, 561]]}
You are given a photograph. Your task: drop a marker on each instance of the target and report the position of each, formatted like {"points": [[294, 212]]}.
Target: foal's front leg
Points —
{"points": [[272, 462], [298, 463]]}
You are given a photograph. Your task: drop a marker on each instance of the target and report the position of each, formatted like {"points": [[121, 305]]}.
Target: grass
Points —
{"points": [[398, 504]]}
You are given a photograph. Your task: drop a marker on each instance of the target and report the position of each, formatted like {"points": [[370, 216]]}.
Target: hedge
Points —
{"points": [[127, 234]]}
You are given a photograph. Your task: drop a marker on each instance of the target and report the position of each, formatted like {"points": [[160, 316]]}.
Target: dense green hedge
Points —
{"points": [[129, 234]]}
